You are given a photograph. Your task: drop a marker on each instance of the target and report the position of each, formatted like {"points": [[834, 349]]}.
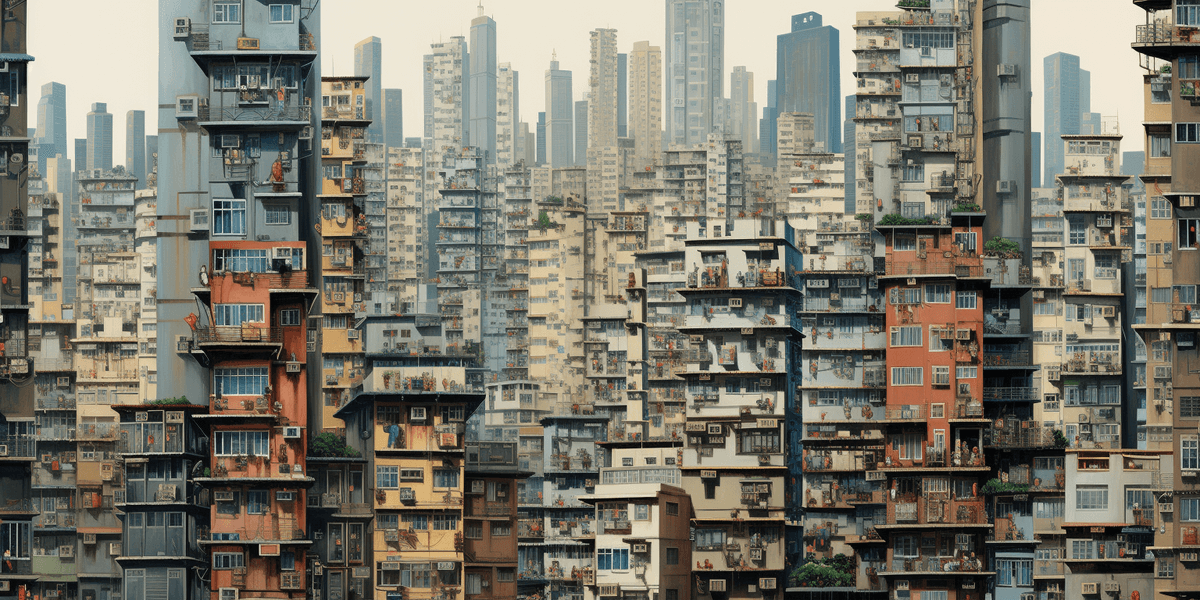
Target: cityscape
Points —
{"points": [[662, 337]]}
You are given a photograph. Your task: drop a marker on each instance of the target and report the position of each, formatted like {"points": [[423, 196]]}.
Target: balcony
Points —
{"points": [[910, 510], [1158, 39], [530, 528], [963, 267], [239, 336], [249, 114], [1081, 363], [1012, 435], [1005, 359], [1010, 394]]}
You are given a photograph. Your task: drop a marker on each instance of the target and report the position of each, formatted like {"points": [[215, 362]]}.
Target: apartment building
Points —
{"points": [[407, 222]]}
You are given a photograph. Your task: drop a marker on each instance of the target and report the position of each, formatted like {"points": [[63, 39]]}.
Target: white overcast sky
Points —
{"points": [[106, 53]]}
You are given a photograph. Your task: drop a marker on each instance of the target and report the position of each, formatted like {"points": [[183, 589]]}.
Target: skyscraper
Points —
{"points": [[81, 153], [1063, 110], [559, 109], [767, 128], [151, 159], [1035, 159], [743, 110], [135, 145], [483, 85], [540, 151], [427, 96], [602, 90], [448, 87], [393, 118], [622, 95], [645, 101], [52, 123], [581, 132], [849, 147], [99, 137], [806, 75], [368, 56], [695, 67], [508, 115]]}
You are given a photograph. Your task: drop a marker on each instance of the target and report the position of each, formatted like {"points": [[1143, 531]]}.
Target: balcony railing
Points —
{"points": [[934, 267], [1019, 434], [250, 114], [239, 335], [1006, 359], [1015, 394]]}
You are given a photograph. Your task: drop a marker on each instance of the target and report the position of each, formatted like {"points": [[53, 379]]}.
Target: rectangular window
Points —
{"points": [[1160, 208], [277, 214], [672, 509], [240, 443], [229, 217], [473, 531], [759, 441], [445, 478], [501, 529], [1091, 497], [1189, 453], [1185, 294], [1189, 509], [1187, 12], [904, 242], [227, 11], [938, 293], [906, 336], [905, 295], [243, 381], [1187, 133], [966, 300], [257, 502], [387, 476], [965, 372], [914, 172], [908, 376], [224, 561], [672, 556], [289, 317], [1077, 226], [1188, 233], [233, 315], [1189, 407], [281, 13], [1166, 568], [612, 559]]}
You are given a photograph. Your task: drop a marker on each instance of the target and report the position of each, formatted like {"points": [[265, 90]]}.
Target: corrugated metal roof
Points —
{"points": [[6, 56]]}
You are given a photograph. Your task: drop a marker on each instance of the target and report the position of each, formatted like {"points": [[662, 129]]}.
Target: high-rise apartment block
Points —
{"points": [[559, 114], [694, 69], [99, 138], [135, 145], [806, 76], [482, 93], [368, 59], [52, 123], [508, 115], [645, 102]]}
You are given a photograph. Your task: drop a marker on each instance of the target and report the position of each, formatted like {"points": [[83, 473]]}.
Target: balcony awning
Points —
{"points": [[13, 57]]}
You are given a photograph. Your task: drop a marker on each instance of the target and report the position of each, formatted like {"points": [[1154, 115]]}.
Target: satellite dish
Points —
{"points": [[17, 157]]}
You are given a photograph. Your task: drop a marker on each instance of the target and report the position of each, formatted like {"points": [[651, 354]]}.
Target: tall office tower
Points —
{"points": [[540, 142], [695, 69], [508, 115], [1063, 112], [560, 106], [806, 75], [427, 95], [1172, 185], [236, 249], [645, 102], [849, 146], [743, 110], [448, 77], [99, 138], [81, 153], [368, 61], [51, 123], [135, 145], [1035, 159], [16, 392], [622, 95], [482, 73], [526, 145], [767, 127], [151, 160], [1085, 91], [392, 116], [603, 88], [581, 132]]}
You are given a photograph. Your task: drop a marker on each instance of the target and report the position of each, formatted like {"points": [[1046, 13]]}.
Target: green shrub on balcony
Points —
{"points": [[995, 486], [331, 445], [169, 401], [836, 571], [1002, 247], [899, 220]]}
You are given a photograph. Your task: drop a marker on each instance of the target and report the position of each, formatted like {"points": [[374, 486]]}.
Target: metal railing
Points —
{"points": [[239, 335], [256, 113]]}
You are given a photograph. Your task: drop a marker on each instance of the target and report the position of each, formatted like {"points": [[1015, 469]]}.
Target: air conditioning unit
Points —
{"points": [[716, 585], [818, 283], [1003, 70], [902, 584], [964, 389], [293, 367], [407, 495], [306, 132], [291, 432], [477, 486], [1005, 186], [610, 590], [715, 429], [1083, 417], [1089, 588], [166, 493], [198, 219], [708, 474], [915, 141], [962, 334], [66, 551], [183, 28], [640, 548], [89, 539], [1039, 294], [1189, 556], [766, 583], [1162, 372], [1166, 507], [352, 334], [282, 496], [912, 78], [970, 585], [1023, 596], [339, 296], [186, 107], [416, 413], [244, 43], [4, 450], [5, 586], [1109, 312], [756, 554], [1112, 587], [735, 303], [223, 496], [229, 594]]}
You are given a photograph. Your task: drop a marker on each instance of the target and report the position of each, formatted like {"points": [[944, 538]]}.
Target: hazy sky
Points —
{"points": [[121, 69]]}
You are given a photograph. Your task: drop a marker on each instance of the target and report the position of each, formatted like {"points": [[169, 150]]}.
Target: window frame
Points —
{"points": [[290, 10], [228, 216], [221, 8]]}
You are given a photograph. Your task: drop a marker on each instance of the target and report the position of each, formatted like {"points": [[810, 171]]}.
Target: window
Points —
{"points": [[1160, 208], [225, 561], [503, 574], [412, 474], [908, 376], [1189, 407], [257, 502], [1078, 229], [387, 476], [641, 512], [1091, 497], [904, 242], [287, 561], [387, 521], [473, 530], [672, 556], [1187, 234], [244, 381], [1166, 568], [940, 339], [1187, 133], [672, 509], [227, 11], [966, 240], [612, 559], [758, 441], [938, 293], [1011, 572], [1049, 509], [1185, 293], [907, 546], [240, 260], [416, 575], [277, 214], [967, 300], [289, 317], [445, 478], [906, 336], [281, 13], [965, 372], [474, 583], [229, 217], [501, 529], [1083, 549], [233, 315], [1187, 12], [1189, 453], [240, 443], [941, 375], [914, 172], [1189, 509], [908, 446], [710, 539]]}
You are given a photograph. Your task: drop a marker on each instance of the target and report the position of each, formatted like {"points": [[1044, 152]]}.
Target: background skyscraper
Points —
{"points": [[622, 95], [508, 115], [99, 137], [483, 85], [52, 123], [393, 118], [368, 56], [645, 101], [743, 110], [807, 77], [135, 145], [560, 107], [1035, 159], [151, 155], [695, 69], [540, 151], [581, 132], [603, 85], [81, 153], [850, 148], [1063, 109], [427, 95], [766, 131]]}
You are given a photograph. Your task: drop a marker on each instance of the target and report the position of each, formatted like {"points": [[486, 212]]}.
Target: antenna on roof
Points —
{"points": [[480, 14]]}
